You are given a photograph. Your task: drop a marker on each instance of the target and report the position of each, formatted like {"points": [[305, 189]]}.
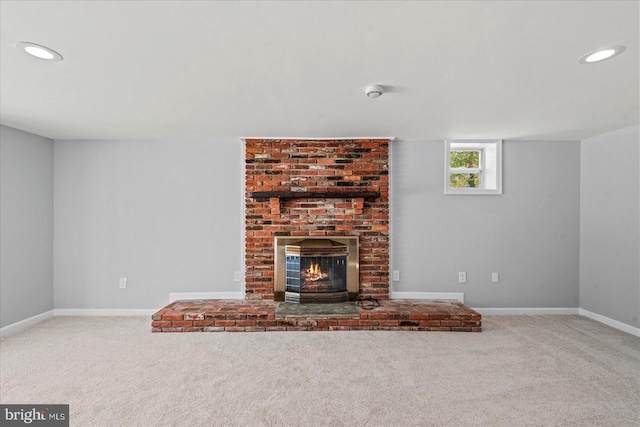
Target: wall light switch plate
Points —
{"points": [[123, 283], [462, 277], [237, 276], [494, 277], [395, 275]]}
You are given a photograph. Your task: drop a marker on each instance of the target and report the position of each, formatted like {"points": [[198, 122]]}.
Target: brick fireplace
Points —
{"points": [[331, 188], [332, 191]]}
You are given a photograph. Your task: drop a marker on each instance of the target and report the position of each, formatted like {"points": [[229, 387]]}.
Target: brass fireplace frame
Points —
{"points": [[353, 262]]}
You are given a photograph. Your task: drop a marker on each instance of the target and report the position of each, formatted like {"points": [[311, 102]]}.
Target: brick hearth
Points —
{"points": [[260, 316]]}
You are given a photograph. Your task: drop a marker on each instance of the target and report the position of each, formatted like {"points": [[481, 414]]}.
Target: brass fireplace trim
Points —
{"points": [[353, 262]]}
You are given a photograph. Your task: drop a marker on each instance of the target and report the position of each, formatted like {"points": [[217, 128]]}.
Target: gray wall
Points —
{"points": [[156, 212], [26, 225], [610, 226], [168, 216], [529, 234], [165, 214]]}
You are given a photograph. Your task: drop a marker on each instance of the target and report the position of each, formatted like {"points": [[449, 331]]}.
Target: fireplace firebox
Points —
{"points": [[316, 270]]}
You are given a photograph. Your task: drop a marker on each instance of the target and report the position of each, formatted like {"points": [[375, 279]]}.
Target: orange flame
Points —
{"points": [[314, 273], [314, 269]]}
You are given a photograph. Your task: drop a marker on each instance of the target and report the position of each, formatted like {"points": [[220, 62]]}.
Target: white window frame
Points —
{"points": [[490, 168]]}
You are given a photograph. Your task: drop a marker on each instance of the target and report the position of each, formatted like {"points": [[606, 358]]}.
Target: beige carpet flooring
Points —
{"points": [[520, 371]]}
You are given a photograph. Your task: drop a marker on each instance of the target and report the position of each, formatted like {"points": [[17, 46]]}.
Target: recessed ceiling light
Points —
{"points": [[601, 54], [39, 51]]}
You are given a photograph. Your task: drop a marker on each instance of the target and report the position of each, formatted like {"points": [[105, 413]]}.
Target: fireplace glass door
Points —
{"points": [[316, 271]]}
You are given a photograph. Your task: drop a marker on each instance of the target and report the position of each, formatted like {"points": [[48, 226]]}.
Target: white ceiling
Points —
{"points": [[223, 70]]}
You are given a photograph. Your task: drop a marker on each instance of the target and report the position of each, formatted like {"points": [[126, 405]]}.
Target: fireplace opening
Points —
{"points": [[316, 271]]}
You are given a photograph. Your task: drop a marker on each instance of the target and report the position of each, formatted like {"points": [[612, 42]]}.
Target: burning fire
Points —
{"points": [[314, 273]]}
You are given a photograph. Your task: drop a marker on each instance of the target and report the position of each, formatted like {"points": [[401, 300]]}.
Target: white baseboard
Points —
{"points": [[175, 296], [611, 322], [562, 311], [457, 296], [104, 311], [529, 310], [26, 323]]}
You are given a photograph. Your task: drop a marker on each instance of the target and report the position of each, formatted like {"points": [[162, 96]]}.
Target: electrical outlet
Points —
{"points": [[237, 276], [123, 283], [395, 275], [462, 277], [494, 277]]}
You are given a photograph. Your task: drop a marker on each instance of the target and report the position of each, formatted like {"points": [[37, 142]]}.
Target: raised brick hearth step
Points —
{"points": [[260, 316]]}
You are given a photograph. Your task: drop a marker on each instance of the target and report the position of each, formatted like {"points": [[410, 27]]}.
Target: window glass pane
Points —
{"points": [[464, 159], [464, 180]]}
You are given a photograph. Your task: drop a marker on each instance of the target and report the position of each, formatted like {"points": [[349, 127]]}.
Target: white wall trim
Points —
{"points": [[458, 296], [390, 204], [104, 311], [242, 218], [26, 323], [306, 138], [535, 311], [175, 296], [611, 322]]}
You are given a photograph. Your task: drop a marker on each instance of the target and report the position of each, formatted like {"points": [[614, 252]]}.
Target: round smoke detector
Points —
{"points": [[373, 91]]}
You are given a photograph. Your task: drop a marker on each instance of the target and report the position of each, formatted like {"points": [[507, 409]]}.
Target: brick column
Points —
{"points": [[314, 166]]}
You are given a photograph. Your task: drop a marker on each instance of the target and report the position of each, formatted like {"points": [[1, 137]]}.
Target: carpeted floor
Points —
{"points": [[521, 370]]}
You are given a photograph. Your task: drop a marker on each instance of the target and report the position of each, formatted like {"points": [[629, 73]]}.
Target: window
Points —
{"points": [[473, 167]]}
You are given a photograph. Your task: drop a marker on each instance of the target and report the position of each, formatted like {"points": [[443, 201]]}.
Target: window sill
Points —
{"points": [[472, 191]]}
